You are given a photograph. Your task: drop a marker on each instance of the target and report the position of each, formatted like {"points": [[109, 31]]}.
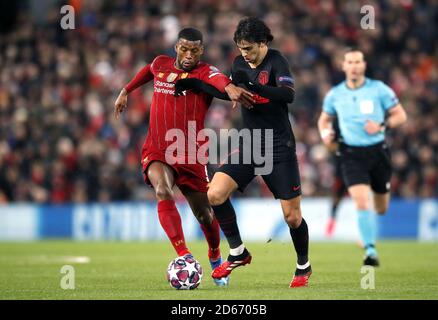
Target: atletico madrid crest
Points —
{"points": [[263, 77]]}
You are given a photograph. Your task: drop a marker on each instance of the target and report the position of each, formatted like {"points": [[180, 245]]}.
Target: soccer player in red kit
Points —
{"points": [[171, 112]]}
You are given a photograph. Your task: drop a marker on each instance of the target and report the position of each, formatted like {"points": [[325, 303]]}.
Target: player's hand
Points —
{"points": [[187, 84], [121, 103], [327, 136], [240, 95], [372, 127]]}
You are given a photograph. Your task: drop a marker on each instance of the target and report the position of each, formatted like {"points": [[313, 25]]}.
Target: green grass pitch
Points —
{"points": [[136, 270]]}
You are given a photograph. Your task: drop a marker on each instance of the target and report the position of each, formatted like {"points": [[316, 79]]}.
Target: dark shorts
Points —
{"points": [[367, 165], [283, 181]]}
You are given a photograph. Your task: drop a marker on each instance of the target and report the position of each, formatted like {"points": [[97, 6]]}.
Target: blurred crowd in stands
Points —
{"points": [[60, 143]]}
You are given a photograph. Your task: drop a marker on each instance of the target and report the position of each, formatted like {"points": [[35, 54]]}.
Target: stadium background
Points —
{"points": [[68, 169], [59, 141]]}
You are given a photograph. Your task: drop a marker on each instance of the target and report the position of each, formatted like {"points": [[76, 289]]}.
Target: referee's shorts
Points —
{"points": [[369, 165]]}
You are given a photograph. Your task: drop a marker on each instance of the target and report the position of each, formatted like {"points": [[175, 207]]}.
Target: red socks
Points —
{"points": [[212, 236], [171, 222]]}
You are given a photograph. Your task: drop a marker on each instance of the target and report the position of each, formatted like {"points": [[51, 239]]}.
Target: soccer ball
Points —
{"points": [[184, 273]]}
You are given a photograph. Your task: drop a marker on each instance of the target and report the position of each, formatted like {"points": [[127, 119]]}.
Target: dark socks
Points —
{"points": [[300, 238], [226, 216]]}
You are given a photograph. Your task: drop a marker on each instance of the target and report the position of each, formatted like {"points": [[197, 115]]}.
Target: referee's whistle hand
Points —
{"points": [[372, 127]]}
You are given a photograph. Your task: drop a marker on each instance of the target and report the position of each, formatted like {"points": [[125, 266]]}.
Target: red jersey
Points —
{"points": [[170, 112]]}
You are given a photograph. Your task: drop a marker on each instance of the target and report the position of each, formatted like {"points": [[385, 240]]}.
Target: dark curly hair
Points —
{"points": [[190, 34], [253, 30]]}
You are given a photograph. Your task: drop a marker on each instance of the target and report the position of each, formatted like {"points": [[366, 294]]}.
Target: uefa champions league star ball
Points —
{"points": [[184, 273]]}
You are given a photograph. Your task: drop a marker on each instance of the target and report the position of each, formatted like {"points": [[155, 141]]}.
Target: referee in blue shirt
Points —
{"points": [[365, 108]]}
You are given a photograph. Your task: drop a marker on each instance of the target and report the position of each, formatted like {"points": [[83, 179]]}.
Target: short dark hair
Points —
{"points": [[253, 30], [352, 49], [190, 34]]}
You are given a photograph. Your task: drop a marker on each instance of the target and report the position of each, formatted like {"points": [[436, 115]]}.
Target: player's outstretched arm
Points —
{"points": [[232, 92], [198, 85]]}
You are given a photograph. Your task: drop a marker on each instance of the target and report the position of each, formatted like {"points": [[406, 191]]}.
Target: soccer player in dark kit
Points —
{"points": [[180, 113], [265, 73]]}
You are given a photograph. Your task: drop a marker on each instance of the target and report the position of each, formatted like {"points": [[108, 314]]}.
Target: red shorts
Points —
{"points": [[192, 176]]}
